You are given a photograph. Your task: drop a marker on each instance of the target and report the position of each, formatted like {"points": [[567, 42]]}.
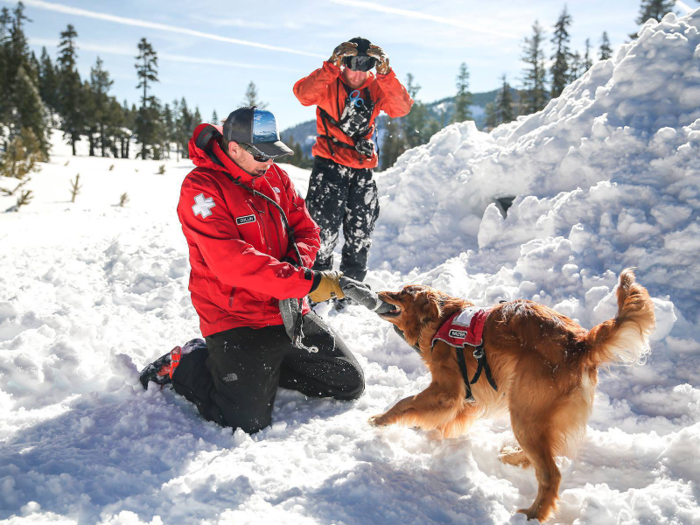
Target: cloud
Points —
{"points": [[40, 4], [422, 16]]}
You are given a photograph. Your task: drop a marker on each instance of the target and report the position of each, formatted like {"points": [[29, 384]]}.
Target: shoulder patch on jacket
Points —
{"points": [[202, 206]]}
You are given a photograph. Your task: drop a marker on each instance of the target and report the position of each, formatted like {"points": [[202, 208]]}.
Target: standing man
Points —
{"points": [[242, 217], [341, 189]]}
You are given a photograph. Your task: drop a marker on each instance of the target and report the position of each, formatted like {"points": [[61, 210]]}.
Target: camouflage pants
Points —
{"points": [[348, 196]]}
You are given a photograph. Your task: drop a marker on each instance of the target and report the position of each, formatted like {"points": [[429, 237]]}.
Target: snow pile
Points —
{"points": [[606, 176]]}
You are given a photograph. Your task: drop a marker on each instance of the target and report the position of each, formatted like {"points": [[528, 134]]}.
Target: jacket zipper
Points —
{"points": [[230, 297], [260, 214], [279, 237]]}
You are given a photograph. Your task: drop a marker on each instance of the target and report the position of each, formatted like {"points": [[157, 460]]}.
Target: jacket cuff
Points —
{"points": [[386, 77], [316, 280], [291, 260]]}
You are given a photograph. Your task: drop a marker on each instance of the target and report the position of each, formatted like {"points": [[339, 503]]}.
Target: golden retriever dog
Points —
{"points": [[545, 367]]}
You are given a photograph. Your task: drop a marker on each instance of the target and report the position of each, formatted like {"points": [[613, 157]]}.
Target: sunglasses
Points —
{"points": [[360, 63], [258, 156]]}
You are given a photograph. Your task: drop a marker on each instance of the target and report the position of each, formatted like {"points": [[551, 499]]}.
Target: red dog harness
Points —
{"points": [[466, 328]]}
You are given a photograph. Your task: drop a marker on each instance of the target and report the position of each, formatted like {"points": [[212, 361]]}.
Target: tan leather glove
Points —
{"points": [[346, 49], [382, 60], [328, 287]]}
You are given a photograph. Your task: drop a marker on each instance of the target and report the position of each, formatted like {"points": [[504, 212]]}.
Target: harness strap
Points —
{"points": [[483, 365], [465, 375], [337, 142], [325, 127]]}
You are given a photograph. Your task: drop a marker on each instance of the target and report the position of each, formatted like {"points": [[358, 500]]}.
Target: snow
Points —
{"points": [[605, 177]]}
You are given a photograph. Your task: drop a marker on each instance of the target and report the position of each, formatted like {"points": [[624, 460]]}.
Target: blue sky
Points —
{"points": [[210, 50]]}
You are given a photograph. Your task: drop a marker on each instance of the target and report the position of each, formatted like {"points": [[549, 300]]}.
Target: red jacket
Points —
{"points": [[323, 89], [236, 241]]}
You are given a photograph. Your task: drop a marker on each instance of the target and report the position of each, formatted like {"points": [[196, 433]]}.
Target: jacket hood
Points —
{"points": [[205, 152], [201, 147]]}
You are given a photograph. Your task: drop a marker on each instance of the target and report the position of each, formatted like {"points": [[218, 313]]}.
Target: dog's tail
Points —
{"points": [[624, 339]]}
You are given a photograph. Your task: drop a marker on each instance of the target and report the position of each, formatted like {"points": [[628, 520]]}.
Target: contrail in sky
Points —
{"points": [[112, 50], [40, 4], [371, 6]]}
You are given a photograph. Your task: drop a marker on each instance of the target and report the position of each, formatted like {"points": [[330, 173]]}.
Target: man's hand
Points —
{"points": [[346, 49], [382, 60], [328, 287]]}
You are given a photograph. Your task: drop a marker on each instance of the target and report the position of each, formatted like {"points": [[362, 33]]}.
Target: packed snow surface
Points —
{"points": [[606, 177]]}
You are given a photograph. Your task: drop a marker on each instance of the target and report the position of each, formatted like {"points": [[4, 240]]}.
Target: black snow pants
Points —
{"points": [[234, 380], [348, 196]]}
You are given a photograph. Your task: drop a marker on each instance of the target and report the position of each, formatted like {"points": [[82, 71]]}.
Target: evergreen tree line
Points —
{"points": [[539, 84], [37, 94]]}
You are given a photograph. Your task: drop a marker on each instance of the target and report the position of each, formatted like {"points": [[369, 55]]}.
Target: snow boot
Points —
{"points": [[161, 370]]}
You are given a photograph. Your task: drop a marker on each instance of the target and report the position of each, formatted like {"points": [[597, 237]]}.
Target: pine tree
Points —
{"points": [[115, 132], [21, 107], [48, 81], [587, 60], [297, 158], [534, 96], [655, 9], [560, 67], [71, 97], [21, 155], [100, 84], [215, 118], [417, 126], [392, 143], [491, 117], [17, 66], [503, 106], [605, 49], [251, 97], [29, 111], [464, 98], [147, 118], [185, 127], [5, 79], [576, 67], [129, 119], [168, 128], [17, 47]]}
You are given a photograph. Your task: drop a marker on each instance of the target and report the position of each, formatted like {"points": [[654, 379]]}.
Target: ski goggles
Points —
{"points": [[360, 63], [258, 156]]}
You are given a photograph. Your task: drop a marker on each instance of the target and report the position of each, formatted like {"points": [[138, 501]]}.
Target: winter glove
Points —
{"points": [[346, 49], [327, 287], [382, 60]]}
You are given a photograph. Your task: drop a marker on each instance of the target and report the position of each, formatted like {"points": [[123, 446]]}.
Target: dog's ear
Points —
{"points": [[430, 307]]}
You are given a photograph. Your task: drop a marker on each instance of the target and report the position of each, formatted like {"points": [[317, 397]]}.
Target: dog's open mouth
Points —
{"points": [[387, 310]]}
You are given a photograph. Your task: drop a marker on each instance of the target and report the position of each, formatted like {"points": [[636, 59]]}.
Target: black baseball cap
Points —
{"points": [[258, 128]]}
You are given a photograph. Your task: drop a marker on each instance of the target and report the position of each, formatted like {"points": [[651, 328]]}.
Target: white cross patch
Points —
{"points": [[203, 206]]}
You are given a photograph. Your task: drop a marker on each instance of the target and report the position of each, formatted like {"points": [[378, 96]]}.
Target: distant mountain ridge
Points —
{"points": [[441, 110]]}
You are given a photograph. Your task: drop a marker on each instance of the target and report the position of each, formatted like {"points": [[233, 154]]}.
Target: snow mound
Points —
{"points": [[605, 177]]}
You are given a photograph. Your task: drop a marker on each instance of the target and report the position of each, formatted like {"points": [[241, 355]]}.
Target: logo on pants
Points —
{"points": [[230, 377]]}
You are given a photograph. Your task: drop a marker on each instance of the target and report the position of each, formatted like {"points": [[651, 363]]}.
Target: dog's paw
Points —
{"points": [[377, 421], [514, 456], [530, 513]]}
